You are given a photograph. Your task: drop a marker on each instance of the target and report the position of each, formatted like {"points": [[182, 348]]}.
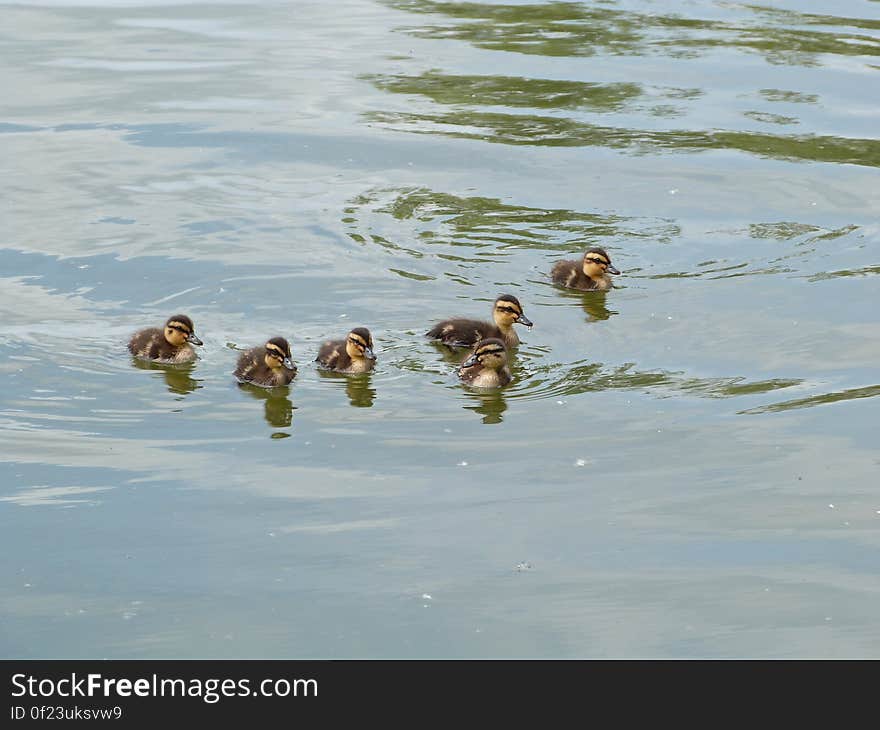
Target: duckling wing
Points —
{"points": [[331, 354], [147, 343], [461, 332], [247, 365], [565, 273]]}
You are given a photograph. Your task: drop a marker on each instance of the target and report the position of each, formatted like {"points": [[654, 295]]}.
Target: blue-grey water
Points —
{"points": [[686, 466]]}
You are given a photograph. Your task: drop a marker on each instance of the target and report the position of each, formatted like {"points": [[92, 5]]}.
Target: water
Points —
{"points": [[684, 467]]}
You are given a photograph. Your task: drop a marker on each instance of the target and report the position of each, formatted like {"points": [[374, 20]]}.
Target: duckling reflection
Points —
{"points": [[277, 406], [360, 391], [594, 305], [492, 404], [358, 387], [178, 378]]}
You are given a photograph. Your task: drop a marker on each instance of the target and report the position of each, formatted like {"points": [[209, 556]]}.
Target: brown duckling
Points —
{"points": [[354, 354], [467, 332], [589, 274], [169, 344], [486, 366], [266, 366]]}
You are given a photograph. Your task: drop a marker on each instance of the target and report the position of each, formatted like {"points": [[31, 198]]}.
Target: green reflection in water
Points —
{"points": [[862, 271], [478, 229], [817, 400], [558, 380], [519, 92], [791, 97], [277, 406], [768, 118], [577, 29], [358, 387], [360, 390], [594, 304], [490, 404], [528, 129], [178, 378], [512, 91]]}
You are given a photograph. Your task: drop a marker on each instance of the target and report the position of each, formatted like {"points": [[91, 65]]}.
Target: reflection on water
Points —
{"points": [[423, 229], [178, 378], [277, 406], [535, 379], [360, 391], [358, 387], [870, 391], [491, 404], [519, 92], [511, 91], [458, 101], [530, 129], [577, 29], [594, 304]]}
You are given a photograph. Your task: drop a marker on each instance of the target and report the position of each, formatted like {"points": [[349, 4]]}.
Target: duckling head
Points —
{"points": [[278, 354], [597, 262], [179, 330], [508, 310], [359, 344], [490, 353]]}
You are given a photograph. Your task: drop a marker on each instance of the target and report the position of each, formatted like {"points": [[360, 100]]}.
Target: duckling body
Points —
{"points": [[467, 332], [588, 274], [486, 366], [354, 354], [267, 366], [168, 344]]}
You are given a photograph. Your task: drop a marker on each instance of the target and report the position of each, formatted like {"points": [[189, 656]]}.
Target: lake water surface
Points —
{"points": [[686, 466]]}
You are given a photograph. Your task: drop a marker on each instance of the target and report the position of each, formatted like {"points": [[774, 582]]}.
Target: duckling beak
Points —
{"points": [[470, 362], [369, 354], [191, 337], [288, 363], [522, 319], [613, 269]]}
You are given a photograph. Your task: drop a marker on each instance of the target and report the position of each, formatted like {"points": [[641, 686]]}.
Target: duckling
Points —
{"points": [[589, 274], [354, 354], [170, 344], [467, 332], [266, 366], [486, 366]]}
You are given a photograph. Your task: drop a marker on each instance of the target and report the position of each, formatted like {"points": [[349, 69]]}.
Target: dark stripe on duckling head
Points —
{"points": [[181, 323], [361, 336], [599, 255], [490, 346], [508, 303], [484, 348], [278, 345]]}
